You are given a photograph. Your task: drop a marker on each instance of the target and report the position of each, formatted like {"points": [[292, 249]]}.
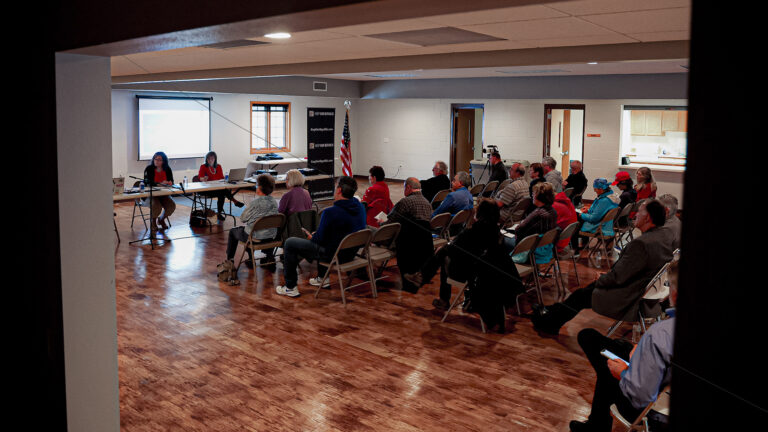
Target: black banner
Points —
{"points": [[320, 150]]}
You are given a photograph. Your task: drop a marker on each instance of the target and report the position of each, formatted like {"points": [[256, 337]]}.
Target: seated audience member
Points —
{"points": [[297, 198], [376, 197], [551, 175], [413, 206], [512, 194], [457, 259], [211, 171], [600, 206], [414, 243], [537, 176], [628, 193], [645, 187], [263, 205], [345, 216], [458, 200], [576, 180], [631, 388], [616, 293], [542, 219], [566, 215], [159, 172], [498, 170], [438, 182], [673, 223]]}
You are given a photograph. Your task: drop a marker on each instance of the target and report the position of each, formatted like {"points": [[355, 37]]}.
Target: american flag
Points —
{"points": [[346, 151]]}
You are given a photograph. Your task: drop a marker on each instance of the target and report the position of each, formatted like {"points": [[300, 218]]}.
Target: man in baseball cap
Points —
{"points": [[621, 176]]}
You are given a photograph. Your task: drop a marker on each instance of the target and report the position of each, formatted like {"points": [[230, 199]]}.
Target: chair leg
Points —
{"points": [[453, 303], [325, 277], [575, 270], [613, 328], [133, 215], [117, 233], [372, 277], [341, 286]]}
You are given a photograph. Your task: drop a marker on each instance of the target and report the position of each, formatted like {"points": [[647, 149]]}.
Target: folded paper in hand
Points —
{"points": [[381, 217]]}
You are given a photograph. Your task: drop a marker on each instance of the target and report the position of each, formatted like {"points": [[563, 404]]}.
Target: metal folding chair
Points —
{"points": [[501, 187], [660, 405], [439, 197], [528, 245], [382, 247], [655, 291], [439, 223], [267, 222], [610, 215], [356, 240], [568, 233]]}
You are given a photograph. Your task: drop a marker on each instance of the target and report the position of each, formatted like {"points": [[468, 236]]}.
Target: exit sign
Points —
{"points": [[593, 135]]}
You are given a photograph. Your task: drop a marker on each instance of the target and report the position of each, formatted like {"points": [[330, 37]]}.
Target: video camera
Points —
{"points": [[492, 148]]}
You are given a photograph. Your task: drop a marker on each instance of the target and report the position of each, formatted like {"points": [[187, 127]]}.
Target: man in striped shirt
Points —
{"points": [[511, 195]]}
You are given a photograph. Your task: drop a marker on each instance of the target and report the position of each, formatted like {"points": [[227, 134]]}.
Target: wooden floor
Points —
{"points": [[195, 354]]}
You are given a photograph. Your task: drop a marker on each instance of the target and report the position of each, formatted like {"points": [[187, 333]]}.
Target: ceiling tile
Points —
{"points": [[581, 40], [522, 13], [384, 27], [590, 7], [663, 20], [541, 29]]}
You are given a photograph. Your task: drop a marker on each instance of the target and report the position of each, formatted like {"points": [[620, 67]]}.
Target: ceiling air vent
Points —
{"points": [[319, 86], [234, 44]]}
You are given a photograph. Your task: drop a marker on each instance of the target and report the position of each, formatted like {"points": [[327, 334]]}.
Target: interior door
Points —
{"points": [[463, 139], [565, 145]]}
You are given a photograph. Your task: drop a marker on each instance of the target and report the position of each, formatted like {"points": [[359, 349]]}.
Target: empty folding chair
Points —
{"points": [[354, 241]]}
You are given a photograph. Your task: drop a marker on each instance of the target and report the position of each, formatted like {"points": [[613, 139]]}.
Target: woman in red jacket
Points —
{"points": [[566, 215], [210, 171], [376, 198], [645, 187]]}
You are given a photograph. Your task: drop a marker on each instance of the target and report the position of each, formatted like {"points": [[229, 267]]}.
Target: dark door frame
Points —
{"points": [[548, 125], [454, 108]]}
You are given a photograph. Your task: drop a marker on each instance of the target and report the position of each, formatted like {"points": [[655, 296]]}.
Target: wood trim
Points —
{"points": [[269, 149]]}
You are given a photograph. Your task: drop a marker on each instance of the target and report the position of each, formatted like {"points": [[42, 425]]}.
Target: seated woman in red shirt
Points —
{"points": [[566, 215], [158, 172], [645, 187], [376, 198], [210, 171]]}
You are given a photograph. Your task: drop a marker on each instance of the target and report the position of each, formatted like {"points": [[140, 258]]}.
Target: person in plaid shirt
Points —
{"points": [[413, 206]]}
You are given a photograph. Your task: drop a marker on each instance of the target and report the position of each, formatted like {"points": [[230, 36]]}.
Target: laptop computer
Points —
{"points": [[236, 175]]}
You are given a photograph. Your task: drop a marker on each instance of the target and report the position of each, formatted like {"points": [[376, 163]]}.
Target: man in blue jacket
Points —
{"points": [[458, 200], [346, 216]]}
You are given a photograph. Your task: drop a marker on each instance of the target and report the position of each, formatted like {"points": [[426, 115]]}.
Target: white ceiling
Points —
{"points": [[551, 25]]}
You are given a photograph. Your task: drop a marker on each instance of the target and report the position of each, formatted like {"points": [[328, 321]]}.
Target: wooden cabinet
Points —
{"points": [[657, 123]]}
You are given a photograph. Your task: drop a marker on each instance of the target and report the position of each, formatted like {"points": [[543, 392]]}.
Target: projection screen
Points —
{"points": [[178, 126]]}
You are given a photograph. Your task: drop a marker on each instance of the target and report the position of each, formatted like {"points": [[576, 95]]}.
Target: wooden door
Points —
{"points": [[463, 139], [566, 144]]}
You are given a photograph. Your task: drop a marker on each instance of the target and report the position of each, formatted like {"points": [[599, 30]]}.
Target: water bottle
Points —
{"points": [[141, 186], [185, 181], [226, 177]]}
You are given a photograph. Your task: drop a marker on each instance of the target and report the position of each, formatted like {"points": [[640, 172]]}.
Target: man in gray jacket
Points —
{"points": [[616, 293], [551, 175]]}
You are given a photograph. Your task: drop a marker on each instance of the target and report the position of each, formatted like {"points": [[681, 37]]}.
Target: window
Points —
{"points": [[270, 127], [654, 135]]}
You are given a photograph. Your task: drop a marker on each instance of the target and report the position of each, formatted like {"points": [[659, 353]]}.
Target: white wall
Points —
{"points": [[413, 133], [83, 86], [230, 130]]}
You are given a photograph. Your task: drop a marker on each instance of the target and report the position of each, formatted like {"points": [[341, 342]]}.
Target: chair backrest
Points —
{"points": [[357, 239], [271, 221], [526, 245], [195, 179], [476, 189], [652, 292], [137, 183], [459, 219], [440, 221], [440, 196], [609, 215], [548, 237], [523, 205], [502, 185], [568, 232], [624, 212], [568, 192], [490, 187], [386, 235]]}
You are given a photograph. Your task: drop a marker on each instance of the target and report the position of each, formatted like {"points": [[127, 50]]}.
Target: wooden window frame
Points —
{"points": [[270, 149]]}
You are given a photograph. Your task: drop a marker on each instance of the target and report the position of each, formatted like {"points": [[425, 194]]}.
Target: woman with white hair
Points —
{"points": [[297, 198]]}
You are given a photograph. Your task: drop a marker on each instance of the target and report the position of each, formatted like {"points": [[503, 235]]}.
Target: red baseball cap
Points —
{"points": [[621, 176]]}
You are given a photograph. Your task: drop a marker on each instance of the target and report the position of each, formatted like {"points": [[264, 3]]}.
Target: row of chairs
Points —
{"points": [[374, 249]]}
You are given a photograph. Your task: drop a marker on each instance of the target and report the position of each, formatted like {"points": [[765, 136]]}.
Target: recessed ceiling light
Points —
{"points": [[278, 35], [592, 63]]}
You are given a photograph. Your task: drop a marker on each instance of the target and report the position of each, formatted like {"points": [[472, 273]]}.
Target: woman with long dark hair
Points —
{"points": [[210, 171], [646, 186], [158, 172]]}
